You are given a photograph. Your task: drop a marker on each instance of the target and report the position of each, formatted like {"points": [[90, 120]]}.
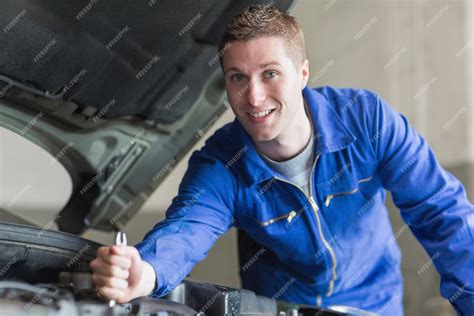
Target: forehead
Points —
{"points": [[255, 52]]}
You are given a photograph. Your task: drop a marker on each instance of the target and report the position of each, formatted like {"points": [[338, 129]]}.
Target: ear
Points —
{"points": [[304, 73]]}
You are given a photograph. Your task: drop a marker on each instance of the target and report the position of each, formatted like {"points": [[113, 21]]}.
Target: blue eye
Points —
{"points": [[270, 74], [237, 77]]}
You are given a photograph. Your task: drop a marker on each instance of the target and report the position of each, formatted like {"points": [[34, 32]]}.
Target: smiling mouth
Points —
{"points": [[261, 113]]}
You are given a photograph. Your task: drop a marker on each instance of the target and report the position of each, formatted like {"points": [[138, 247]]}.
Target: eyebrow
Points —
{"points": [[271, 63]]}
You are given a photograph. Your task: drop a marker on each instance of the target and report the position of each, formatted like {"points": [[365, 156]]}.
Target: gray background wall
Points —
{"points": [[417, 54]]}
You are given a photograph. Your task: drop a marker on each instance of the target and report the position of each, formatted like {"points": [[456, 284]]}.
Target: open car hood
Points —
{"points": [[117, 91]]}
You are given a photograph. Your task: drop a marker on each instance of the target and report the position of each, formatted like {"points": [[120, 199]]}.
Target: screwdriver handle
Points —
{"points": [[120, 240]]}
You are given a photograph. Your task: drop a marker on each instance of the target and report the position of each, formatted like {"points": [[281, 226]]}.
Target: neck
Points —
{"points": [[290, 142]]}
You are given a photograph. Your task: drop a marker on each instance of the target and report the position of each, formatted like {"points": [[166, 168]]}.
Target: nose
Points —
{"points": [[256, 93]]}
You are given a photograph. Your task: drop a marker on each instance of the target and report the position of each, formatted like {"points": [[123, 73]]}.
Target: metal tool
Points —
{"points": [[120, 240]]}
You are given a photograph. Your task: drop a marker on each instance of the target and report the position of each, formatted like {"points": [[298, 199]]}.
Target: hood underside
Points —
{"points": [[140, 54], [116, 91]]}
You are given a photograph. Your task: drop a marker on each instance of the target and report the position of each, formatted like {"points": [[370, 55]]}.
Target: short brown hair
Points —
{"points": [[258, 21]]}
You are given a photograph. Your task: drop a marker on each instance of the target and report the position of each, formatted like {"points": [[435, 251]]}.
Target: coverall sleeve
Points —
{"points": [[431, 200], [198, 215]]}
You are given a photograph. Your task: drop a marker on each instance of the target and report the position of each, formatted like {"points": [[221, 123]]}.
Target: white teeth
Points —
{"points": [[260, 114]]}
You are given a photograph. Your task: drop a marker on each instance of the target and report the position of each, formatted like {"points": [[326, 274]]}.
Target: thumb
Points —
{"points": [[120, 251]]}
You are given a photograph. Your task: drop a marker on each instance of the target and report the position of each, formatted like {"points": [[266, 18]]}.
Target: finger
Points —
{"points": [[105, 269], [108, 293], [103, 252], [115, 283], [120, 261], [135, 256], [125, 251]]}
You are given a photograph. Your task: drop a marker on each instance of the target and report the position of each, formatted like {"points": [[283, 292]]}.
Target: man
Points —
{"points": [[303, 172]]}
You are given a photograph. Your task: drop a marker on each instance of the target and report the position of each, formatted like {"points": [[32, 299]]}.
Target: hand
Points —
{"points": [[118, 274]]}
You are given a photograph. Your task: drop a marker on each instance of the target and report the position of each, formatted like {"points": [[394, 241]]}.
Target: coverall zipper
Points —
{"points": [[289, 217], [315, 209], [331, 196]]}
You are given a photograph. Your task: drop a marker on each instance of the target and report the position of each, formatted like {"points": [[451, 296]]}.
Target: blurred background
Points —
{"points": [[418, 55]]}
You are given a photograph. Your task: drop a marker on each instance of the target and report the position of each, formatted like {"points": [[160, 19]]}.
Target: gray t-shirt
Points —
{"points": [[298, 168]]}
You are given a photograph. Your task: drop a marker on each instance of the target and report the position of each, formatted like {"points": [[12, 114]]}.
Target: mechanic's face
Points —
{"points": [[264, 87]]}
